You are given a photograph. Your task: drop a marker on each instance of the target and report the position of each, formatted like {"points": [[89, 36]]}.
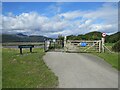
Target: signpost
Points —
{"points": [[104, 35], [103, 41]]}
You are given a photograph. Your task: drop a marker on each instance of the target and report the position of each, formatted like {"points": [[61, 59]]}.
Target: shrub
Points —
{"points": [[116, 46]]}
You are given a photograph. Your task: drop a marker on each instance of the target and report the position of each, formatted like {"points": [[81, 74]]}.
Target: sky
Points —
{"points": [[53, 18]]}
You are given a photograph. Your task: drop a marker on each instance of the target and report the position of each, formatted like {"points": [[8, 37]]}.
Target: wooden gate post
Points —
{"points": [[103, 41], [99, 45]]}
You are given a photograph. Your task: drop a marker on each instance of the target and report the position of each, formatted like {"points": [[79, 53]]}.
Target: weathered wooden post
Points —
{"points": [[99, 45], [103, 41], [65, 41]]}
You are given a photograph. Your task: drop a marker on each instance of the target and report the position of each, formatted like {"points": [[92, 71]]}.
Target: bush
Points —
{"points": [[116, 47]]}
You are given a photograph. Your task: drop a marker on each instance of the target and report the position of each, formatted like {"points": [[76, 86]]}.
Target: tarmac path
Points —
{"points": [[80, 70]]}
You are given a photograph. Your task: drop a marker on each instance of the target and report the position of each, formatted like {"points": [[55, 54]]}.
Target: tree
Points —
{"points": [[60, 37]]}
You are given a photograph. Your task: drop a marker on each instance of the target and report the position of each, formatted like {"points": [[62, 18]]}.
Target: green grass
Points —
{"points": [[111, 58], [109, 45], [27, 70]]}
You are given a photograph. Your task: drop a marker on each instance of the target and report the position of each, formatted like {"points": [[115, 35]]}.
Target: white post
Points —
{"points": [[65, 41], [99, 45], [65, 38], [103, 41]]}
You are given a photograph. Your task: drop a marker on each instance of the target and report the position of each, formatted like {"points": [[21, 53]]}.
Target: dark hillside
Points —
{"points": [[22, 38]]}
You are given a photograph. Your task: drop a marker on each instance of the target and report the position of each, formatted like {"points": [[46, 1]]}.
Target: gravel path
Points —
{"points": [[81, 70]]}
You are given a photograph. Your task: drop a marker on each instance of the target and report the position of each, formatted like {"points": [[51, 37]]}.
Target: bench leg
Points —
{"points": [[20, 50], [30, 49]]}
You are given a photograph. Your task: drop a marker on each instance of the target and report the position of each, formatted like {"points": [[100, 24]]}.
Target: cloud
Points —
{"points": [[104, 19], [72, 14]]}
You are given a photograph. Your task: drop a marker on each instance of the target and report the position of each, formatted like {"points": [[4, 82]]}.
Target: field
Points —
{"points": [[27, 70], [111, 58]]}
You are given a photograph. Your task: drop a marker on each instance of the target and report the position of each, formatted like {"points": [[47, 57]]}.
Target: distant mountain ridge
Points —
{"points": [[22, 38], [33, 38], [20, 34]]}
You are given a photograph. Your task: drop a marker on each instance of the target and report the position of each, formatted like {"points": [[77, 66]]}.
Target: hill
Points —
{"points": [[113, 38], [95, 36], [22, 38], [89, 36]]}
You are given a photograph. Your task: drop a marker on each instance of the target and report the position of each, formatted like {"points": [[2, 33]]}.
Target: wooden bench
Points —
{"points": [[25, 46]]}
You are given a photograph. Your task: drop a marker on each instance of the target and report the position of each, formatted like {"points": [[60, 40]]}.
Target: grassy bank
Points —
{"points": [[27, 70], [111, 58]]}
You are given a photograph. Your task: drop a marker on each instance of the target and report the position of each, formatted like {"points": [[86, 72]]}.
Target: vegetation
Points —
{"points": [[113, 38], [27, 70], [116, 47], [89, 36], [60, 37]]}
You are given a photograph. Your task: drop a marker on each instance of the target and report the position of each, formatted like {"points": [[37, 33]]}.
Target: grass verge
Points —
{"points": [[27, 70], [111, 58]]}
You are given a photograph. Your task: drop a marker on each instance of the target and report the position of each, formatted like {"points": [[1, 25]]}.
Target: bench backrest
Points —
{"points": [[25, 46]]}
